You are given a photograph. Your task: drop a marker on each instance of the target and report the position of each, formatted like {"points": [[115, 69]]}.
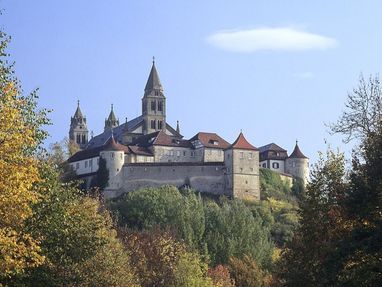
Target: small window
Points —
{"points": [[264, 165], [77, 165], [241, 154], [91, 162], [160, 125], [153, 105], [178, 153], [192, 153], [86, 163], [241, 169], [250, 155], [160, 106], [275, 165], [153, 124], [251, 168], [184, 153]]}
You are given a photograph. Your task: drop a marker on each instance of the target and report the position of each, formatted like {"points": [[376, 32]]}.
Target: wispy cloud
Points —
{"points": [[304, 75], [281, 38]]}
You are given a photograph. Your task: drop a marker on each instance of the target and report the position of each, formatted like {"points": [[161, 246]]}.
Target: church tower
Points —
{"points": [[112, 121], [153, 104], [78, 131]]}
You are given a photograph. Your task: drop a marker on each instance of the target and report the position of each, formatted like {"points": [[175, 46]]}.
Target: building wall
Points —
{"points": [[213, 155], [203, 178], [281, 164], [298, 167], [85, 166], [174, 154], [245, 174]]}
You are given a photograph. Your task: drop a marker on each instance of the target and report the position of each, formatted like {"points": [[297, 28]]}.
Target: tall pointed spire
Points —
{"points": [[111, 121], [177, 127], [153, 81], [78, 113]]}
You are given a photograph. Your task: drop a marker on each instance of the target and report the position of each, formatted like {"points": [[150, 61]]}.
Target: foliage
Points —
{"points": [[160, 260], [77, 240], [322, 223], [363, 112], [248, 273], [271, 185], [232, 231], [164, 207], [101, 179], [220, 276], [360, 251], [20, 138], [57, 158]]}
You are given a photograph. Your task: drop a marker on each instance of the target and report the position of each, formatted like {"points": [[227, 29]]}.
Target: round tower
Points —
{"points": [[114, 155], [297, 164]]}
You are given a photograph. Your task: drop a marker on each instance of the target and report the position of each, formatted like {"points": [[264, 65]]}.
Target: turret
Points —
{"points": [[112, 121], [297, 164], [78, 132], [114, 155], [153, 104], [242, 170]]}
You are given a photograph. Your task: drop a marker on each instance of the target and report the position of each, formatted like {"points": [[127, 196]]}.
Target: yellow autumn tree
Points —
{"points": [[20, 136]]}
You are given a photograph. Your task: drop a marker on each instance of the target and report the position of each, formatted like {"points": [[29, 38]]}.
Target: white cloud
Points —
{"points": [[277, 39]]}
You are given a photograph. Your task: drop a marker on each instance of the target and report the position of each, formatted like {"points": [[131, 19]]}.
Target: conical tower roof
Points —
{"points": [[78, 113], [112, 116], [297, 152], [242, 143], [153, 82], [112, 145]]}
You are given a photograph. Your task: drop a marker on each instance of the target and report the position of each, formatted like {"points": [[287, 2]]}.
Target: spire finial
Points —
{"points": [[111, 106], [153, 60], [241, 131], [296, 141], [177, 127], [78, 103]]}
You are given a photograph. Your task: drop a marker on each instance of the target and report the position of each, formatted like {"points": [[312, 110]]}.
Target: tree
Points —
{"points": [[359, 252], [77, 239], [363, 112], [101, 179], [232, 231], [161, 260], [247, 273], [20, 138], [221, 276], [307, 259]]}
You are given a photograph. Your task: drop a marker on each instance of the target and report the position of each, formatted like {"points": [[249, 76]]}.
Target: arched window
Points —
{"points": [[78, 139], [83, 139], [153, 124], [160, 106], [153, 105], [159, 125]]}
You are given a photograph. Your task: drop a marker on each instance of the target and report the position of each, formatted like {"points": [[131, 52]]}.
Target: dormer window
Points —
{"points": [[214, 142]]}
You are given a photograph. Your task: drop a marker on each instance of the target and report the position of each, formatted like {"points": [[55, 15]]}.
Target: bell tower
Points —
{"points": [[153, 104], [78, 131]]}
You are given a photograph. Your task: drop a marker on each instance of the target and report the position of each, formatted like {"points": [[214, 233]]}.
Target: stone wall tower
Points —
{"points": [[242, 170], [114, 155], [112, 121], [78, 131], [297, 164], [153, 104]]}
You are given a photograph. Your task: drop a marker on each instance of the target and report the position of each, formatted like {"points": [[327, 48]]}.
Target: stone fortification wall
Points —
{"points": [[203, 177]]}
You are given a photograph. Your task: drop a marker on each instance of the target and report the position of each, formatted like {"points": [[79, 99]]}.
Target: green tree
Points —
{"points": [[307, 257], [101, 179], [164, 207], [232, 231], [77, 239]]}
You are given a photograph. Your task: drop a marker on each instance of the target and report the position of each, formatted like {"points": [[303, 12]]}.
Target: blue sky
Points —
{"points": [[278, 70]]}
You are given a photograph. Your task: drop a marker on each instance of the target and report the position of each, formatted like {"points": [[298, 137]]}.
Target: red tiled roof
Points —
{"points": [[242, 143], [210, 140], [140, 150], [297, 153], [160, 138], [112, 145]]}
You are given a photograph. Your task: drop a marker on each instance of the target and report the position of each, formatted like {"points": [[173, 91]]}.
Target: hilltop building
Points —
{"points": [[148, 152]]}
